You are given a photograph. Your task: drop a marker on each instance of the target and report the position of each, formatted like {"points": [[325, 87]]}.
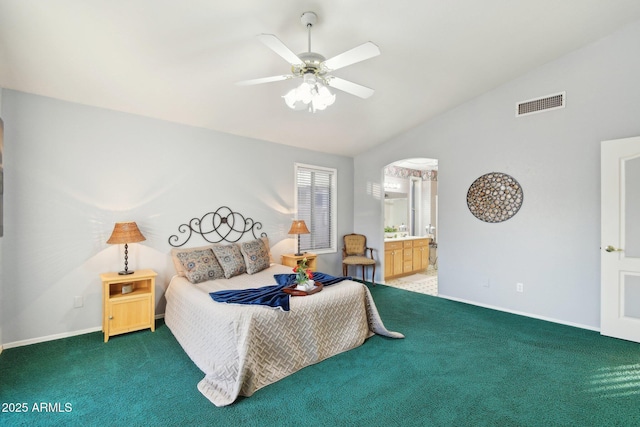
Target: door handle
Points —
{"points": [[612, 249]]}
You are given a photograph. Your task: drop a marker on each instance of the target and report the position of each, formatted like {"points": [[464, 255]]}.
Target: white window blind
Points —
{"points": [[316, 205]]}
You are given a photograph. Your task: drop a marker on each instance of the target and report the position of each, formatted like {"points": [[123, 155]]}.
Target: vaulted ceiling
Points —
{"points": [[178, 61]]}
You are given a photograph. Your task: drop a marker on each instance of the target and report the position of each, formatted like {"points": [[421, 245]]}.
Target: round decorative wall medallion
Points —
{"points": [[494, 197]]}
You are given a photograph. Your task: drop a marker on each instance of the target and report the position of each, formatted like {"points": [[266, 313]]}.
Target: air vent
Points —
{"points": [[539, 105]]}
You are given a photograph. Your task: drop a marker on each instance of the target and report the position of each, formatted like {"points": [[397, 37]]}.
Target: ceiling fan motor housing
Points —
{"points": [[312, 64]]}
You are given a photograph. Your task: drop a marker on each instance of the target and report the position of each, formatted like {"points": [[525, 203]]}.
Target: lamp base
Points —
{"points": [[126, 261], [298, 248]]}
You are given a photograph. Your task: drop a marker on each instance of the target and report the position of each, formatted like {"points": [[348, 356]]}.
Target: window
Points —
{"points": [[315, 201]]}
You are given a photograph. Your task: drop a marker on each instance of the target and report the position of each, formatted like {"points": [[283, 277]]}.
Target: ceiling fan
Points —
{"points": [[315, 71]]}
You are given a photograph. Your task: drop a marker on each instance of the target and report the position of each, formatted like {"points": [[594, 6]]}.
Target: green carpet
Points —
{"points": [[459, 365]]}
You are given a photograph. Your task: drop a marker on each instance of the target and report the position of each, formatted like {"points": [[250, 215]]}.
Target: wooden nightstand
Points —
{"points": [[292, 260], [131, 311]]}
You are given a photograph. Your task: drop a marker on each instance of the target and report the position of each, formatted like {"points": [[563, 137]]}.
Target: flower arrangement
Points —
{"points": [[303, 272]]}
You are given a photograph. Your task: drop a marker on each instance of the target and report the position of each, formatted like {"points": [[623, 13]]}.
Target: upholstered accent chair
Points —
{"points": [[355, 252]]}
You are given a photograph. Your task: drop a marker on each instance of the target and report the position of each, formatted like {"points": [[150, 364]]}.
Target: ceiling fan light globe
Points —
{"points": [[311, 95], [326, 96], [319, 106], [305, 93], [293, 102], [290, 98]]}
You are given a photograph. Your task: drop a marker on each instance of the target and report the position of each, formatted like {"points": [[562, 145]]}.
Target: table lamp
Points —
{"points": [[298, 227], [125, 232]]}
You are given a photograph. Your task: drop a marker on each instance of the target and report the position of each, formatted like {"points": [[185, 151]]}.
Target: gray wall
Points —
{"points": [[552, 244], [1, 286], [71, 171]]}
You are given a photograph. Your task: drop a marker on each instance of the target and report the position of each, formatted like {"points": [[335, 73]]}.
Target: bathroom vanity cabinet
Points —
{"points": [[405, 256]]}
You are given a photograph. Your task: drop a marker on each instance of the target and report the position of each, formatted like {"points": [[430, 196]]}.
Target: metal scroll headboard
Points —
{"points": [[215, 227]]}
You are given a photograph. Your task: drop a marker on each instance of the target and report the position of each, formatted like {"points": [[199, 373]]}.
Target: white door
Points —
{"points": [[620, 239]]}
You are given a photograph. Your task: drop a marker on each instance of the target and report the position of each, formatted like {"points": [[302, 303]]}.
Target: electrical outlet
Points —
{"points": [[77, 301], [486, 284], [520, 287]]}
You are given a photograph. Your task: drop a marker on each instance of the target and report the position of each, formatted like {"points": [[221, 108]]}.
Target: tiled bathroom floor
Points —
{"points": [[424, 283]]}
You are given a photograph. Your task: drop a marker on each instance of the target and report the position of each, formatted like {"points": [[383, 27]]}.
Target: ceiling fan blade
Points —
{"points": [[274, 43], [357, 54], [350, 87], [265, 80]]}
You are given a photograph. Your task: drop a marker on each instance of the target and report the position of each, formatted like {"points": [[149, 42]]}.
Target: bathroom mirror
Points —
{"points": [[396, 208]]}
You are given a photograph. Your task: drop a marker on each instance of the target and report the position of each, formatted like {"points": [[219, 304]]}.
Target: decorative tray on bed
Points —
{"points": [[298, 293]]}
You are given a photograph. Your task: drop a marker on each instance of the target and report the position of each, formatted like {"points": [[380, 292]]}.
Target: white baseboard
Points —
{"points": [[521, 313], [51, 337], [58, 336]]}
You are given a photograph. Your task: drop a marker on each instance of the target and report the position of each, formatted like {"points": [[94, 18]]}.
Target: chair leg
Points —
{"points": [[373, 275], [363, 276], [344, 270]]}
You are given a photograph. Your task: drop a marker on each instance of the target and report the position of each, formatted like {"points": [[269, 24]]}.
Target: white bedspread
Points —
{"points": [[242, 348]]}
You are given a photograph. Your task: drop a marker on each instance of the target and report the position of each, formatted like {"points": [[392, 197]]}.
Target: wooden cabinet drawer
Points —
{"points": [[408, 244], [388, 246], [421, 242]]}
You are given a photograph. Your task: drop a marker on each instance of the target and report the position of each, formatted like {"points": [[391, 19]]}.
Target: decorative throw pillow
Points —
{"points": [[177, 262], [230, 259], [200, 265], [267, 246], [256, 256]]}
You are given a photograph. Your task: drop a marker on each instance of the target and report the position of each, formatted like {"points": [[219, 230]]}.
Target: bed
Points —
{"points": [[242, 348]]}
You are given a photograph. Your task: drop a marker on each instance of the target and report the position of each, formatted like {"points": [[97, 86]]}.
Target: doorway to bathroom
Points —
{"points": [[410, 212]]}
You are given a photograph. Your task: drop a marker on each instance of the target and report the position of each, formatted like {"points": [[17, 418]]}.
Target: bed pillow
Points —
{"points": [[230, 259], [265, 240], [200, 265], [177, 262], [256, 256]]}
